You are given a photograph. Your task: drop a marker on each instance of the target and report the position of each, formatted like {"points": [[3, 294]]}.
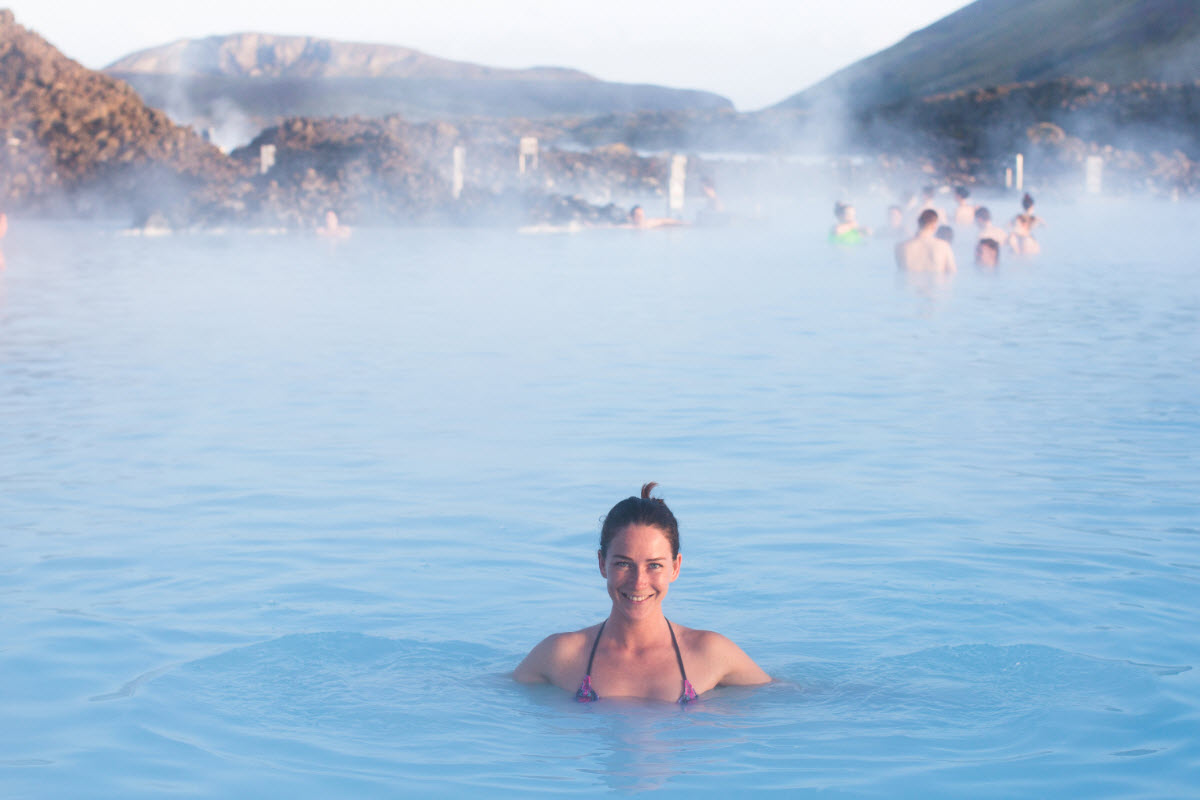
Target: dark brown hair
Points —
{"points": [[644, 510]]}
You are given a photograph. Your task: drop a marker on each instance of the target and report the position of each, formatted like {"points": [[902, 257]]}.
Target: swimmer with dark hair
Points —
{"points": [[847, 230], [1021, 239], [945, 233], [988, 230], [637, 652], [1027, 206], [964, 213], [987, 253], [925, 252]]}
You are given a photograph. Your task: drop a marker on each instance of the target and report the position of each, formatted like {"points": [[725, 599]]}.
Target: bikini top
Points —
{"points": [[587, 694]]}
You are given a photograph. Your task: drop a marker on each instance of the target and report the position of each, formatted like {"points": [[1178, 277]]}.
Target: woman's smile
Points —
{"points": [[639, 567]]}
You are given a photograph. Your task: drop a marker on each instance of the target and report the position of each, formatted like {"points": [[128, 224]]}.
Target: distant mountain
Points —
{"points": [[261, 55], [241, 83], [997, 42]]}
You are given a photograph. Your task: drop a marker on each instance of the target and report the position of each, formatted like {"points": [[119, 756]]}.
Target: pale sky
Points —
{"points": [[755, 52]]}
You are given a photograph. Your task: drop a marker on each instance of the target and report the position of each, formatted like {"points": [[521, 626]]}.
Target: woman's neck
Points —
{"points": [[635, 633]]}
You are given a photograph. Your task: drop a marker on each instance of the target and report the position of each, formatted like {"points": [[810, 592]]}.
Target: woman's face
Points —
{"points": [[639, 569]]}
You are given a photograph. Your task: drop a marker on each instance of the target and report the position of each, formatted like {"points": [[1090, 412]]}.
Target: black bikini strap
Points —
{"points": [[678, 655], [596, 641]]}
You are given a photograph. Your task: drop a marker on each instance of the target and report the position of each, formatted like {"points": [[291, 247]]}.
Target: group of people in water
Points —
{"points": [[930, 248]]}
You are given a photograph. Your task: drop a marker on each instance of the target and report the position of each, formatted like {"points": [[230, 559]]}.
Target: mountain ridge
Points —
{"points": [[237, 84], [999, 42], [253, 54]]}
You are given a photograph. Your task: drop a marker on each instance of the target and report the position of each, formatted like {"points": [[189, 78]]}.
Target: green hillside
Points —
{"points": [[998, 42]]}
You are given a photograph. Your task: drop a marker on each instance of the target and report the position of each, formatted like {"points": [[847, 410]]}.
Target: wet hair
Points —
{"points": [[1027, 201], [928, 191], [839, 210], [962, 191], [982, 214], [927, 218], [945, 233], [644, 510], [987, 244]]}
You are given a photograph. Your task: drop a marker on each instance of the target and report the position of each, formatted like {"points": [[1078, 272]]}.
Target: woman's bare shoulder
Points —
{"points": [[731, 664], [552, 654], [706, 643]]}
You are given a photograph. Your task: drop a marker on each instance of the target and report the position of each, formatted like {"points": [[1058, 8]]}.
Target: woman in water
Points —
{"points": [[1021, 239], [847, 230], [1033, 220], [636, 651]]}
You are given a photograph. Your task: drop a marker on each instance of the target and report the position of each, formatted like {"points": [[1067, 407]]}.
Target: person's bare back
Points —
{"points": [[925, 252]]}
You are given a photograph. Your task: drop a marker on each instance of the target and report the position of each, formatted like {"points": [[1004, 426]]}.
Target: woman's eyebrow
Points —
{"points": [[631, 558]]}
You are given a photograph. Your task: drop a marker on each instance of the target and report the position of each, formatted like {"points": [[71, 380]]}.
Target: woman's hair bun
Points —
{"points": [[644, 510]]}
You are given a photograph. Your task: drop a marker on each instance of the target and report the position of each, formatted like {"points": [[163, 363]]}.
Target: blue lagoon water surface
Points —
{"points": [[278, 516]]}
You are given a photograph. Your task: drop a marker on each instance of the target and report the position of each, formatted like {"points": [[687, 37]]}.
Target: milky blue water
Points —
{"points": [[278, 516]]}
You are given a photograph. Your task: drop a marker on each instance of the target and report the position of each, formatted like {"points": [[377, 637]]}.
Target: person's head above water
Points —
{"points": [[987, 253], [982, 215], [945, 233], [629, 653], [644, 510], [1027, 202], [928, 220], [927, 192], [962, 192], [845, 213], [637, 215]]}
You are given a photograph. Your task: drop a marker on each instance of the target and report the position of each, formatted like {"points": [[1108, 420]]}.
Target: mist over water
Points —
{"points": [[281, 513]]}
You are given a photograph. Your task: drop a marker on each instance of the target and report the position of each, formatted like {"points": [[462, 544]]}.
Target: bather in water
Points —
{"points": [[636, 652], [847, 230]]}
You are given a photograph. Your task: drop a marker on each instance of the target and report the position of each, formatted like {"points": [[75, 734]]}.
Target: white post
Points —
{"points": [[266, 158], [527, 148], [675, 183], [1020, 172], [1008, 177], [456, 179], [1093, 174]]}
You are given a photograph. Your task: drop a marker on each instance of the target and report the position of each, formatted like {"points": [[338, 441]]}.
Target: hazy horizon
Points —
{"points": [[756, 57]]}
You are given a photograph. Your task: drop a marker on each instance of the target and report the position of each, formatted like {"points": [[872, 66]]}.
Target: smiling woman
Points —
{"points": [[636, 651]]}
